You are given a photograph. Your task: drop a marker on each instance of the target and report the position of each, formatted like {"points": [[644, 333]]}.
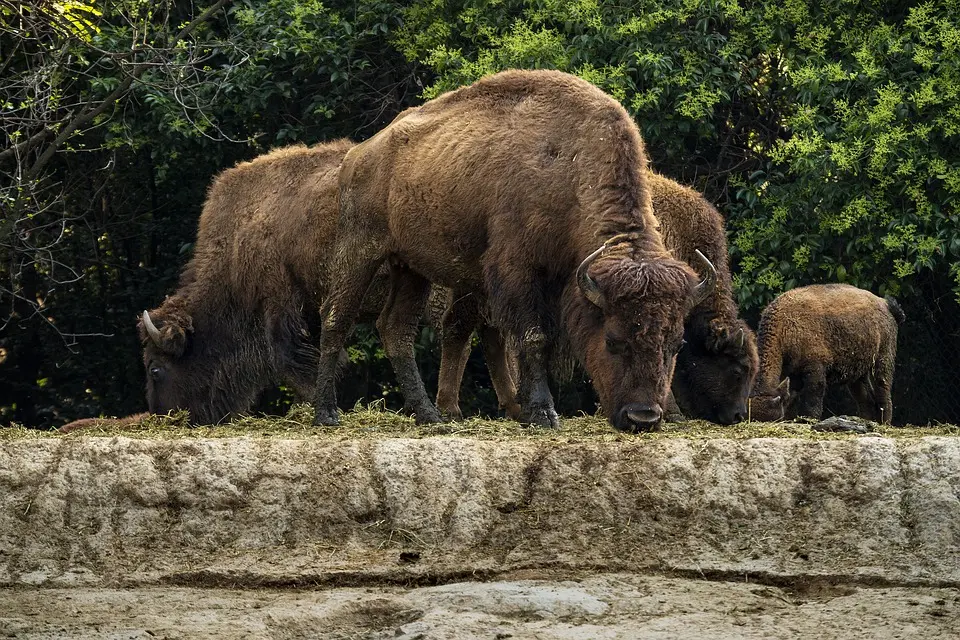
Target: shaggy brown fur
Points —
{"points": [[500, 190], [826, 334], [241, 318], [246, 312], [716, 367], [86, 423]]}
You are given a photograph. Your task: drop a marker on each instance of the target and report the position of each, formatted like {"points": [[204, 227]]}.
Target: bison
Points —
{"points": [[832, 334], [527, 192], [716, 367], [246, 312], [115, 423]]}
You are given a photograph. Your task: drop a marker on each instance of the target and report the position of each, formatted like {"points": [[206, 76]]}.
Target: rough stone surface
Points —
{"points": [[248, 512]]}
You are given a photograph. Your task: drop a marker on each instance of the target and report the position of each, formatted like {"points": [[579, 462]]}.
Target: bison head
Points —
{"points": [[767, 405], [214, 362], [167, 338], [628, 320], [182, 373], [715, 372]]}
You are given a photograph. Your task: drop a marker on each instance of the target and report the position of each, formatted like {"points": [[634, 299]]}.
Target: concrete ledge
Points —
{"points": [[117, 511]]}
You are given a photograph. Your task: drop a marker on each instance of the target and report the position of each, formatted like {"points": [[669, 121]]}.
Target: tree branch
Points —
{"points": [[89, 114]]}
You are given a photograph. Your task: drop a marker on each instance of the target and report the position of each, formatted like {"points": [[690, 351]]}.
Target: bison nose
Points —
{"points": [[640, 417], [735, 416]]}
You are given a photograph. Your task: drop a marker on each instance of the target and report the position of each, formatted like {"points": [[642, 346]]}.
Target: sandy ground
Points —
{"points": [[597, 606], [457, 537]]}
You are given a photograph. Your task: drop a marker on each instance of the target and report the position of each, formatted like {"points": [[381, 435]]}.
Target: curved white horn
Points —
{"points": [[151, 328], [587, 285], [709, 282]]}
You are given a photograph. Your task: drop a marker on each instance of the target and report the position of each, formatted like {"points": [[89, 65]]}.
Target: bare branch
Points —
{"points": [[90, 113]]}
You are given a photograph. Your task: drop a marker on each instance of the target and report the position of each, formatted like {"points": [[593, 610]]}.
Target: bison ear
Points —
{"points": [[168, 334]]}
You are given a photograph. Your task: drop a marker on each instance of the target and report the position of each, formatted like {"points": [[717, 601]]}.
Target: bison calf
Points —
{"points": [[826, 334]]}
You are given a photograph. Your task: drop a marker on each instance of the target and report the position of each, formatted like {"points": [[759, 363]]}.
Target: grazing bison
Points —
{"points": [[240, 319], [716, 367], [246, 312], [504, 190], [826, 334]]}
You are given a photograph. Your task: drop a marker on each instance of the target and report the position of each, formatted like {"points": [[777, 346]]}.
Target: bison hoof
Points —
{"points": [[427, 415], [326, 416], [451, 413], [540, 417], [513, 411]]}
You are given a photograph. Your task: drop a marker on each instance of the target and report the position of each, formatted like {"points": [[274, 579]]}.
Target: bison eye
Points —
{"points": [[616, 347], [155, 373]]}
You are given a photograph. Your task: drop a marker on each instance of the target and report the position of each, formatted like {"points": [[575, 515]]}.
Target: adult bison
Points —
{"points": [[826, 334], [504, 190], [716, 367], [246, 312]]}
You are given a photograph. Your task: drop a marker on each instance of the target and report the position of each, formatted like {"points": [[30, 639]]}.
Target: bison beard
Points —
{"points": [[501, 190]]}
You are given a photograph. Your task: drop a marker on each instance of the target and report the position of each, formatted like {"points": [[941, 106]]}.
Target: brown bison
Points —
{"points": [[246, 312], [716, 367], [504, 190], [826, 334]]}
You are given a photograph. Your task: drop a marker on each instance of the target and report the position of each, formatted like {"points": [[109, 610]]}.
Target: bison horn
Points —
{"points": [[709, 283], [587, 285], [743, 337], [151, 328]]}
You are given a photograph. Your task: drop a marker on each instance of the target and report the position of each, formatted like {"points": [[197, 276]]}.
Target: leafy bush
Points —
{"points": [[827, 131]]}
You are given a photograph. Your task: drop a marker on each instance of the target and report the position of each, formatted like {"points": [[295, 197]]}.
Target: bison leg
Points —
{"points": [[867, 407], [459, 320], [352, 273], [502, 364], [809, 401], [520, 307], [879, 394], [673, 413], [398, 324], [882, 378], [883, 398], [536, 403]]}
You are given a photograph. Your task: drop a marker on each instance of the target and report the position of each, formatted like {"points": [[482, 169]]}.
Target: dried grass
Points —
{"points": [[374, 422]]}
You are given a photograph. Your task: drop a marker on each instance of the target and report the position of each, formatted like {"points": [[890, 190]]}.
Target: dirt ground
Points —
{"points": [[611, 605], [479, 531]]}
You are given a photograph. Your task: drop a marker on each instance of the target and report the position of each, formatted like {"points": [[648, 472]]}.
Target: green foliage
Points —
{"points": [[827, 131], [868, 163]]}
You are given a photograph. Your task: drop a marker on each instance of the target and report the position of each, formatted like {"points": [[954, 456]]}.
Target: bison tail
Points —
{"points": [[895, 309]]}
